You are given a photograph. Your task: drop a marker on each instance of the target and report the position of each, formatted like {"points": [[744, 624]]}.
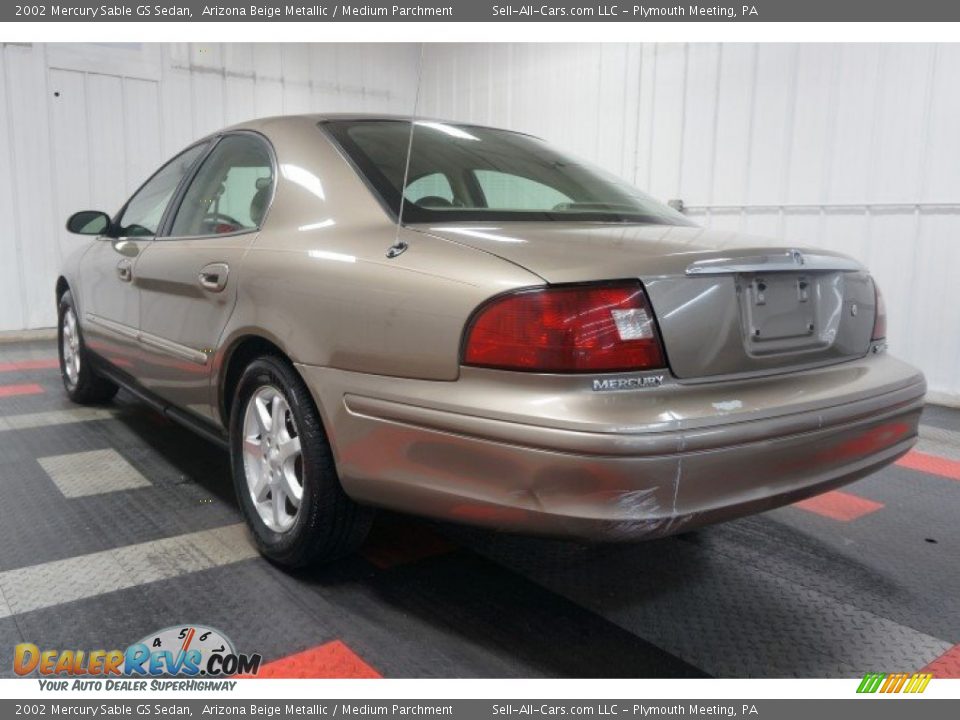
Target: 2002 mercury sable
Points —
{"points": [[535, 346]]}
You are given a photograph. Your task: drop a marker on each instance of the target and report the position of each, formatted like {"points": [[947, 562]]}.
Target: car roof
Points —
{"points": [[275, 122]]}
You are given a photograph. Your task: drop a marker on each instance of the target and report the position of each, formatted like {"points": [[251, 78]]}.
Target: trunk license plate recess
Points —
{"points": [[778, 311]]}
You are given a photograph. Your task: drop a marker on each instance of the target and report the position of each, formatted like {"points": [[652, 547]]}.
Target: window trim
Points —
{"points": [[166, 224], [324, 128]]}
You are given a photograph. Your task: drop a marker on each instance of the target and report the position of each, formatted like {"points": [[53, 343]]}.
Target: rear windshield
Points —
{"points": [[463, 172]]}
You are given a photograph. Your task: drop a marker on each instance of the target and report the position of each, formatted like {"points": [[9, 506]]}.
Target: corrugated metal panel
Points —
{"points": [[82, 126], [29, 138], [829, 145], [11, 303]]}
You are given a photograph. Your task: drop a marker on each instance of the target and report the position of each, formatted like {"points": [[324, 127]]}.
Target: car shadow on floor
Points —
{"points": [[194, 459]]}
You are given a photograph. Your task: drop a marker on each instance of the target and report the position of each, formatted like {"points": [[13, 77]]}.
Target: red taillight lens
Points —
{"points": [[880, 319], [579, 328]]}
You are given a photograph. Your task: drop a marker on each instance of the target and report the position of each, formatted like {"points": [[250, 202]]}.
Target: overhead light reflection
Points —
{"points": [[470, 232], [448, 129], [327, 255], [304, 178], [692, 301], [318, 225]]}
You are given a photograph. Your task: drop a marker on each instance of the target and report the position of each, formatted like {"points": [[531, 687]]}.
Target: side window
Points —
{"points": [[230, 192], [431, 190], [505, 191], [141, 217]]}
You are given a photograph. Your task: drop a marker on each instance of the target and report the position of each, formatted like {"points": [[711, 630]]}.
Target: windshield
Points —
{"points": [[464, 172]]}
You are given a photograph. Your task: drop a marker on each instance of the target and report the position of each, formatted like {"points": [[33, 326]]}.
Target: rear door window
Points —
{"points": [[230, 192]]}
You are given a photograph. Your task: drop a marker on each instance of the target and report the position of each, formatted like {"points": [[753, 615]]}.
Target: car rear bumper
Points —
{"points": [[614, 466]]}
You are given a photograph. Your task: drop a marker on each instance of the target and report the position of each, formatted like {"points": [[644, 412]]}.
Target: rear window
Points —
{"points": [[464, 172], [432, 188]]}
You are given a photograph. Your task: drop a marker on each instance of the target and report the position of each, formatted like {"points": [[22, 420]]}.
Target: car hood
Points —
{"points": [[575, 252]]}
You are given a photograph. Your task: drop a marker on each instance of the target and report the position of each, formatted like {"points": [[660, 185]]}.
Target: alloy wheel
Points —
{"points": [[272, 460], [70, 344]]}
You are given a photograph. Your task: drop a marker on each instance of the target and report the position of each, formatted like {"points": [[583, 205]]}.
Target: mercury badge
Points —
{"points": [[797, 257], [627, 383]]}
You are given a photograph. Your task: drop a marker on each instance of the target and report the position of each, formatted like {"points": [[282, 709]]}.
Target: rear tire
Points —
{"points": [[284, 472], [80, 379]]}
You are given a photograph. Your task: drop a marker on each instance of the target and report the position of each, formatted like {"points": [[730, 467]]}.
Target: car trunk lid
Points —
{"points": [[726, 304]]}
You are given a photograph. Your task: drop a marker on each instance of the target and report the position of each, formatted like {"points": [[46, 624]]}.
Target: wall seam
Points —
{"points": [[923, 163], [53, 166], [683, 118], [789, 128], [716, 123], [14, 193], [745, 191], [826, 172], [653, 104]]}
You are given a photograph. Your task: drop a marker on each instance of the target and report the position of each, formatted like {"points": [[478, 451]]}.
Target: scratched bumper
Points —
{"points": [[546, 455]]}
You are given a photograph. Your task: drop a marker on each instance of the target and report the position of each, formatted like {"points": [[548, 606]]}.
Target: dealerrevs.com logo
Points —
{"points": [[189, 651]]}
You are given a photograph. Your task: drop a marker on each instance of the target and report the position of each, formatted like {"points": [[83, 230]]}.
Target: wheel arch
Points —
{"points": [[240, 353], [62, 287]]}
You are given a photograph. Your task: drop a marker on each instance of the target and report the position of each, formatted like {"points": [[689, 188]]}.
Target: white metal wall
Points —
{"points": [[81, 126], [853, 147]]}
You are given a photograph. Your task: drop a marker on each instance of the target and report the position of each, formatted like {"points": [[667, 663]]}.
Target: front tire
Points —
{"points": [[81, 381], [284, 472]]}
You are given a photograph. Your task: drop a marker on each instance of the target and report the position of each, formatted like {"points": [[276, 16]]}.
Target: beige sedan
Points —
{"points": [[467, 324]]}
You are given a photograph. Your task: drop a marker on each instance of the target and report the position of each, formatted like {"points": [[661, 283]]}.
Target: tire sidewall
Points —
{"points": [[272, 371], [67, 303]]}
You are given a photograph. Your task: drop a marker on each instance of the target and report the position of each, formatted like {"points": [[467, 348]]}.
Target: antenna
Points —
{"points": [[400, 246]]}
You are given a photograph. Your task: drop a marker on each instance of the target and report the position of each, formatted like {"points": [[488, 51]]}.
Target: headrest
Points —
{"points": [[258, 205]]}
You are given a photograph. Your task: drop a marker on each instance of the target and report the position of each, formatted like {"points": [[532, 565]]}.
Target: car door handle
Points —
{"points": [[213, 277], [125, 270]]}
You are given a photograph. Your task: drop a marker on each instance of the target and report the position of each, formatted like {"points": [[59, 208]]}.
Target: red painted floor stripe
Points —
{"points": [[45, 364], [839, 506], [11, 390], [947, 665], [931, 464], [331, 661]]}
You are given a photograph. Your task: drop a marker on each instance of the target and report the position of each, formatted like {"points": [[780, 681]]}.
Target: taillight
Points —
{"points": [[574, 328], [880, 319]]}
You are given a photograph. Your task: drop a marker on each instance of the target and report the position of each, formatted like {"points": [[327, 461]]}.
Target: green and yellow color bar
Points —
{"points": [[895, 683]]}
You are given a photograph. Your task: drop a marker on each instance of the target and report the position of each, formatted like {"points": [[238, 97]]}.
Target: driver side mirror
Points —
{"points": [[88, 222]]}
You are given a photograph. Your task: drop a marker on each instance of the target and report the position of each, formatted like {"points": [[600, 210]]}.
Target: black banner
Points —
{"points": [[852, 709], [482, 11]]}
